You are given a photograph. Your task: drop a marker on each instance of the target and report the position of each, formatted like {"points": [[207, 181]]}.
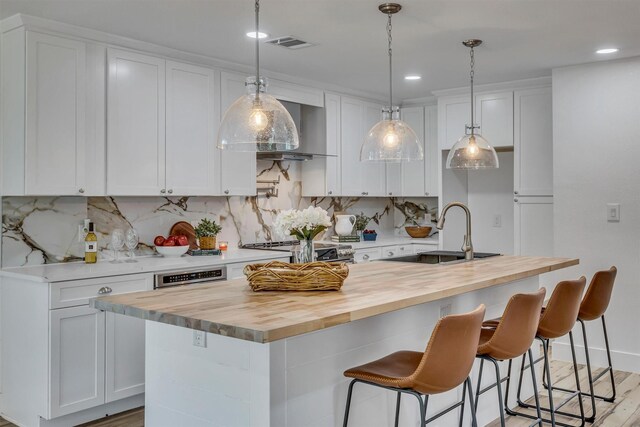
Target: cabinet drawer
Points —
{"points": [[366, 255], [79, 292], [396, 251], [424, 247]]}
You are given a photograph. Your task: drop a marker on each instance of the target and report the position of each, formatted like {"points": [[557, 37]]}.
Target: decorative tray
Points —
{"points": [[203, 252], [281, 276]]}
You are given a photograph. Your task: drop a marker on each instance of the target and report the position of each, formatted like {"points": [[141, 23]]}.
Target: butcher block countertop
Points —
{"points": [[230, 308]]}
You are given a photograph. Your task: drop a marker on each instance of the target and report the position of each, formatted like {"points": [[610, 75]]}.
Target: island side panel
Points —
{"points": [[298, 382]]}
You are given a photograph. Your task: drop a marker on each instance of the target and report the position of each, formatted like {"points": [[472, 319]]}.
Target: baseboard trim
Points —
{"points": [[95, 413], [622, 361]]}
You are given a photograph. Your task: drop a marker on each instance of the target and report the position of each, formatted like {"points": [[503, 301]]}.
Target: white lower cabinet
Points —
{"points": [[76, 374], [533, 226], [366, 255], [396, 251], [124, 357]]}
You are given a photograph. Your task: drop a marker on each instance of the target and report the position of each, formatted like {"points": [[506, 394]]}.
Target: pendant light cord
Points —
{"points": [[257, 8], [471, 74], [389, 38]]}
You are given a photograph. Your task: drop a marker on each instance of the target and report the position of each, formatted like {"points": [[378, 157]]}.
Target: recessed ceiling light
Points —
{"points": [[261, 35], [412, 77], [607, 50]]}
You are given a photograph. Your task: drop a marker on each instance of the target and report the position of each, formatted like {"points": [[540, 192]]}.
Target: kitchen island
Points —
{"points": [[276, 359]]}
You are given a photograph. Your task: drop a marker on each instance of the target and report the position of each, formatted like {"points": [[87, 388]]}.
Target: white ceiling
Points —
{"points": [[523, 38]]}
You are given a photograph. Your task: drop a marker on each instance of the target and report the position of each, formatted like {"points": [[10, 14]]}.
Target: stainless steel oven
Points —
{"points": [[188, 277], [333, 252]]}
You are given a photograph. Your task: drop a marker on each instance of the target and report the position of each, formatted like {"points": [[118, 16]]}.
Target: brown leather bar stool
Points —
{"points": [[593, 306], [557, 319], [508, 338], [443, 366]]}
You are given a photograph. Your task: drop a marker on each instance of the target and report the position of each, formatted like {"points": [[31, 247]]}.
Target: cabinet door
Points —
{"points": [[135, 124], [533, 222], [124, 364], [495, 116], [238, 170], [366, 255], [351, 138], [412, 174], [55, 112], [77, 359], [191, 152], [373, 173], [431, 152], [453, 115], [533, 144]]}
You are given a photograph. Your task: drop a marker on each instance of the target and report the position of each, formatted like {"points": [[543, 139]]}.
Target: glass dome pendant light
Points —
{"points": [[257, 121], [391, 139], [472, 151]]}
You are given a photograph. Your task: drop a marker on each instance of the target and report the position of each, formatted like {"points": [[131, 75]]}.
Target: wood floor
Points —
{"points": [[625, 412]]}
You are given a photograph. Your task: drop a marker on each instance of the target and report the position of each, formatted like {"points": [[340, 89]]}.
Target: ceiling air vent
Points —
{"points": [[290, 42]]}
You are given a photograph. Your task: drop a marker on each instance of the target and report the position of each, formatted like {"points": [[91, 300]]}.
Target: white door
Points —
{"points": [[533, 143], [55, 129], [351, 138], [77, 339], [192, 158], [533, 223], [373, 173], [124, 367], [412, 173], [495, 117], [238, 170], [135, 124], [431, 152]]}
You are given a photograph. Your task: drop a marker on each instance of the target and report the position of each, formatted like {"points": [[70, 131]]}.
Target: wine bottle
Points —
{"points": [[91, 246]]}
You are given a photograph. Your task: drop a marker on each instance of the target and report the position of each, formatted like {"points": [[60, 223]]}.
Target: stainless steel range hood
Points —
{"points": [[310, 122]]}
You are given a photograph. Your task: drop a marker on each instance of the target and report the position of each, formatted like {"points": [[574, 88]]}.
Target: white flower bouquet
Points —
{"points": [[303, 224]]}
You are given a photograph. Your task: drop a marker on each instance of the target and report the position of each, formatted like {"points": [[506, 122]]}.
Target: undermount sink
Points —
{"points": [[440, 257]]}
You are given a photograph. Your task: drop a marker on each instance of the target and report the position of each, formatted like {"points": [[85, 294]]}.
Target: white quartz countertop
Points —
{"points": [[382, 241], [151, 264]]}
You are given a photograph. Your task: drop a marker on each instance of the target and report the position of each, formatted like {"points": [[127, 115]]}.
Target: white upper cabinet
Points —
{"points": [[321, 175], [237, 169], [494, 114], [50, 106], [454, 114], [533, 148], [192, 158], [359, 178], [135, 124], [431, 152]]}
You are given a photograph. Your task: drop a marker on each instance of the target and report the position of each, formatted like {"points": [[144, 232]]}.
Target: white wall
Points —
{"points": [[596, 120]]}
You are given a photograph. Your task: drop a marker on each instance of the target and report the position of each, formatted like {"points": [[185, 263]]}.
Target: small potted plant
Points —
{"points": [[361, 223], [206, 232], [369, 235]]}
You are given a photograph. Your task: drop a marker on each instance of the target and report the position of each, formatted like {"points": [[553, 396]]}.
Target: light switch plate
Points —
{"points": [[613, 212], [497, 220]]}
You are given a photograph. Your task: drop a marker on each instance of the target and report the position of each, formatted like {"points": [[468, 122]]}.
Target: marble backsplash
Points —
{"points": [[38, 230]]}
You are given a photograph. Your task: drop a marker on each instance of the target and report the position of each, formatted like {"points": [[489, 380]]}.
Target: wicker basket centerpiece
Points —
{"points": [[281, 276]]}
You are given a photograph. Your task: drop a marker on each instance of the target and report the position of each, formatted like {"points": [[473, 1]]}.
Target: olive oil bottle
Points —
{"points": [[91, 246]]}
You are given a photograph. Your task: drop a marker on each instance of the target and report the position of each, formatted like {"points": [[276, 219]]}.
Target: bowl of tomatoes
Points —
{"points": [[172, 246]]}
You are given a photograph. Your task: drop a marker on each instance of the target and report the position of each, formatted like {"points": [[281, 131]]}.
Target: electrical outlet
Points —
{"points": [[497, 220], [613, 212], [200, 339], [445, 310]]}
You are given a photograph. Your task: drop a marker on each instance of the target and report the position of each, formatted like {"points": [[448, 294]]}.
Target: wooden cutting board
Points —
{"points": [[185, 229]]}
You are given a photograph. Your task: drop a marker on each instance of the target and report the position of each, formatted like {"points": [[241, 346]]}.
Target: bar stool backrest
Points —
{"points": [[561, 312], [596, 300], [517, 328], [450, 353]]}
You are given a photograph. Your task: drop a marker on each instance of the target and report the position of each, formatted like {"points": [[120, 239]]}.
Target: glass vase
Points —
{"points": [[304, 253]]}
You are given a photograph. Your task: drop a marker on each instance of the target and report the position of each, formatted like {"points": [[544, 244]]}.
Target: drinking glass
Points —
{"points": [[117, 243], [131, 240]]}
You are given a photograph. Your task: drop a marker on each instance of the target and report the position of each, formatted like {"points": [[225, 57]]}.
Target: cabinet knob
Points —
{"points": [[81, 190], [163, 191], [170, 191], [426, 193], [365, 257], [515, 192], [330, 192], [390, 253], [105, 290], [226, 191], [515, 200], [390, 193]]}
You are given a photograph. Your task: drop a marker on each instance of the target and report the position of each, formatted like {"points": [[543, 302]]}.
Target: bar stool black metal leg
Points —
{"points": [[475, 408], [346, 409], [499, 389], [545, 348], [592, 418], [398, 409], [474, 421], [575, 372], [423, 410], [613, 382], [535, 388], [464, 399]]}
